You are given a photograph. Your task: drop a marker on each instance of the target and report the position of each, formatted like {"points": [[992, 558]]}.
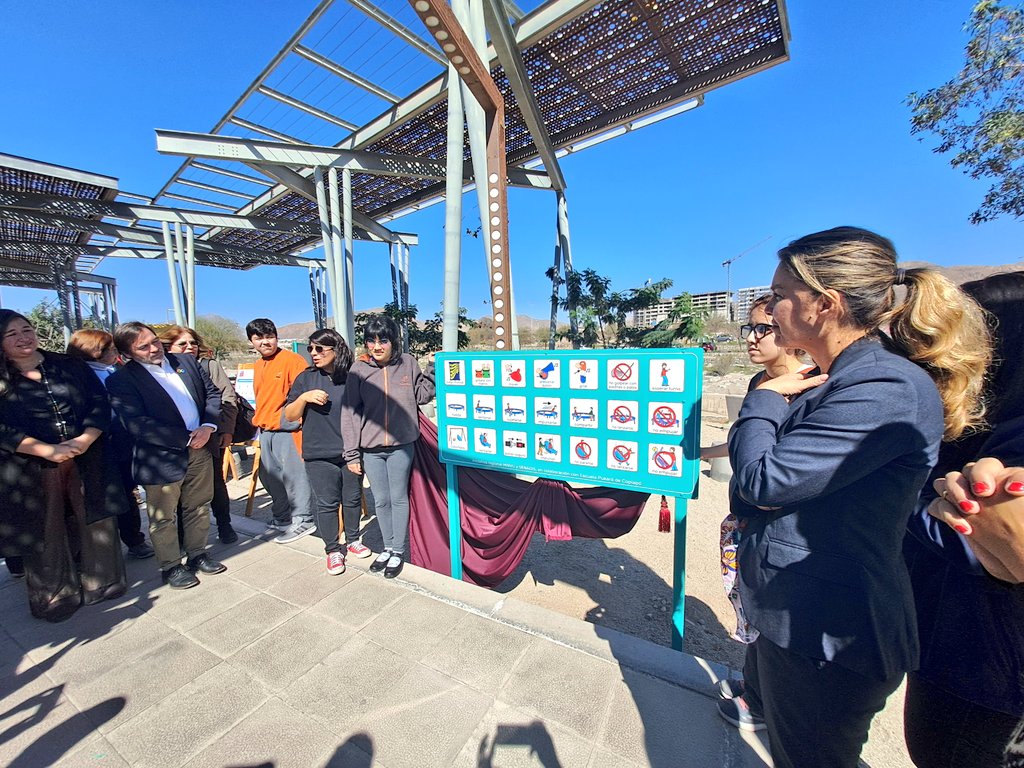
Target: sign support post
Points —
{"points": [[454, 519]]}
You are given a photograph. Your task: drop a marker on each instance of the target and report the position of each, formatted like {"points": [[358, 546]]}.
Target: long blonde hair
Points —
{"points": [[936, 325]]}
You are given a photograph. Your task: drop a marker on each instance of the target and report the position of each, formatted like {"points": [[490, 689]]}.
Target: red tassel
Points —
{"points": [[664, 517]]}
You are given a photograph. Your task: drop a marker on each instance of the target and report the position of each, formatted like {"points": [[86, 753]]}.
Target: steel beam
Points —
{"points": [[257, 128], [504, 42], [347, 75], [281, 55], [131, 211], [438, 18], [253, 152], [213, 188], [398, 29], [197, 201], [302, 106], [301, 185], [210, 255], [227, 172]]}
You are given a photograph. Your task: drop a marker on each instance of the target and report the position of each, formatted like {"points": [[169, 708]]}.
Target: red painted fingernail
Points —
{"points": [[961, 528], [1015, 487], [967, 506], [979, 487]]}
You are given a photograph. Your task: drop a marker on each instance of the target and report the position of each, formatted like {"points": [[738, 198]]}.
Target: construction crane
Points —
{"points": [[728, 278]]}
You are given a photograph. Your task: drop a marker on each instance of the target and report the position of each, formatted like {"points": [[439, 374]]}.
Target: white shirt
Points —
{"points": [[175, 387]]}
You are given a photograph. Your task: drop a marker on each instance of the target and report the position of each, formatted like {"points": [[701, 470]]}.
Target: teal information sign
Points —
{"points": [[624, 418]]}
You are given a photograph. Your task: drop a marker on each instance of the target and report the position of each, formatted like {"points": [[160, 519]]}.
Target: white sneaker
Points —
{"points": [[273, 528]]}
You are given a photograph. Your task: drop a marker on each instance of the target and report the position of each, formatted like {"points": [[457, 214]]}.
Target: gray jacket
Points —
{"points": [[380, 406]]}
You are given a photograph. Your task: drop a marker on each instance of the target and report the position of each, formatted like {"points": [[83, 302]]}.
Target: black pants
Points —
{"points": [[818, 712], [946, 731], [221, 504], [80, 562], [129, 524], [334, 485]]}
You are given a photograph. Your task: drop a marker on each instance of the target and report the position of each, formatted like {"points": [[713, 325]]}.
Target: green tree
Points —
{"points": [[979, 114], [222, 335], [684, 323], [601, 315], [425, 337], [49, 324]]}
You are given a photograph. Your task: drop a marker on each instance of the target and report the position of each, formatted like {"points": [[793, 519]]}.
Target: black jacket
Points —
{"points": [[158, 434]]}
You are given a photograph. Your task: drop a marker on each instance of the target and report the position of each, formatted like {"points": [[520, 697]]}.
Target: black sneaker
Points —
{"points": [[226, 534], [736, 712], [730, 688], [179, 577], [204, 564]]}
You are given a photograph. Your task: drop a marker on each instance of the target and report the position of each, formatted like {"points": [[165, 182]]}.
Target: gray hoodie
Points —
{"points": [[379, 408]]}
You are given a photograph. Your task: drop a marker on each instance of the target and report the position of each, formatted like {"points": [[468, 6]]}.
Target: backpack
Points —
{"points": [[244, 429]]}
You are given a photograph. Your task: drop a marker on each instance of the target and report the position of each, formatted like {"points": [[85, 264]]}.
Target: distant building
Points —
{"points": [[745, 297], [652, 315], [716, 304]]}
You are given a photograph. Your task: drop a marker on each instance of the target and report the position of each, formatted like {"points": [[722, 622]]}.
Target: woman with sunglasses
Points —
{"points": [[315, 400], [826, 471], [380, 419], [777, 361], [185, 341]]}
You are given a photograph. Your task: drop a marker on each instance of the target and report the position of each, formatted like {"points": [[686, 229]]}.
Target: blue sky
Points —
{"points": [[816, 142]]}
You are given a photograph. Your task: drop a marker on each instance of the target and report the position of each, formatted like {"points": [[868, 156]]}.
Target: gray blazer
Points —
{"points": [[821, 571]]}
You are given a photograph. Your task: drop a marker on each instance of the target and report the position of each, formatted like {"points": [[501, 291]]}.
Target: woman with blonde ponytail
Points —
{"points": [[827, 469]]}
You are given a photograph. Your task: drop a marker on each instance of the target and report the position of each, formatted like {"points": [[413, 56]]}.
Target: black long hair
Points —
{"points": [[386, 329], [329, 337], [7, 316]]}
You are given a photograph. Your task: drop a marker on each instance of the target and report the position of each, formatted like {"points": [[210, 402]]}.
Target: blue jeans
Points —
{"points": [[388, 472]]}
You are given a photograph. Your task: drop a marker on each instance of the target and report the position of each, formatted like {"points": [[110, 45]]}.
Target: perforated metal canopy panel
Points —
{"points": [[615, 63], [18, 174]]}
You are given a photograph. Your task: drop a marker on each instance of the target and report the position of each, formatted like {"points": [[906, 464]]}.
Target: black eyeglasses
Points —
{"points": [[318, 348], [760, 331]]}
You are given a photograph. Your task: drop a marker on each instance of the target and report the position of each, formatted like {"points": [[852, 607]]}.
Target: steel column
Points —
{"points": [[453, 215], [325, 237], [349, 264], [341, 308], [443, 24], [190, 269], [565, 248], [172, 274], [179, 248]]}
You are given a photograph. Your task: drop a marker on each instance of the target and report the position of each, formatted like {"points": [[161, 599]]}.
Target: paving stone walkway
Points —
{"points": [[276, 664]]}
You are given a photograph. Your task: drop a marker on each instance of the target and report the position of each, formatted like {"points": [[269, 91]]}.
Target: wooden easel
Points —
{"points": [[230, 467]]}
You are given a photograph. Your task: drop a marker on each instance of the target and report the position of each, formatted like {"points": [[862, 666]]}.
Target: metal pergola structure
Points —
{"points": [[551, 80], [353, 124]]}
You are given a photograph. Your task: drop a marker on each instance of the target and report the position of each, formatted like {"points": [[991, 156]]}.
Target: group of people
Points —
{"points": [[86, 435], [876, 520], [323, 425], [876, 523]]}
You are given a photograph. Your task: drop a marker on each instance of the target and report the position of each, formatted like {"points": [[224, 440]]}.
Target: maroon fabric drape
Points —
{"points": [[500, 514]]}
